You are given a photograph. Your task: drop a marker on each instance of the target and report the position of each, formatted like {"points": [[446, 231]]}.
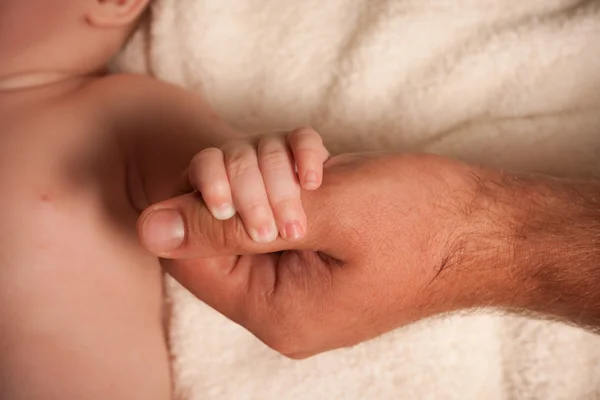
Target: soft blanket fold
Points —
{"points": [[514, 84]]}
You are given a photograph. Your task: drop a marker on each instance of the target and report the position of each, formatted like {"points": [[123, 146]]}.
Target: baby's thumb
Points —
{"points": [[183, 228]]}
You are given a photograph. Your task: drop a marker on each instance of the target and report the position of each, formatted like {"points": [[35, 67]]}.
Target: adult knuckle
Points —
{"points": [[228, 234], [200, 228], [206, 231]]}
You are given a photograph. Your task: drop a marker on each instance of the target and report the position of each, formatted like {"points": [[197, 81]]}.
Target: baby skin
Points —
{"points": [[81, 154]]}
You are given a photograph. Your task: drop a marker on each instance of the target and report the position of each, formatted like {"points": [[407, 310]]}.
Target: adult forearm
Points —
{"points": [[538, 241], [557, 246]]}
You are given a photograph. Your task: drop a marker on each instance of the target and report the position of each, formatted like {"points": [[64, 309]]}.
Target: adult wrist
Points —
{"points": [[479, 264]]}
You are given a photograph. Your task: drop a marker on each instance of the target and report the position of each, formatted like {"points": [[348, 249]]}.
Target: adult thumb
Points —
{"points": [[183, 228]]}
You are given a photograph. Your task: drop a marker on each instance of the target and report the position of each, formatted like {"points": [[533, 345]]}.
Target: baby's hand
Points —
{"points": [[260, 178]]}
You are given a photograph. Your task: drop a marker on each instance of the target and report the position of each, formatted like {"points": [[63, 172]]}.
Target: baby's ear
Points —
{"points": [[115, 13]]}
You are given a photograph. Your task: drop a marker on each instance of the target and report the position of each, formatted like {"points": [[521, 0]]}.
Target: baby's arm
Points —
{"points": [[253, 175], [171, 125]]}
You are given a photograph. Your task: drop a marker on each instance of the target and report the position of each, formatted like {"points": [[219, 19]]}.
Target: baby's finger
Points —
{"points": [[277, 166], [310, 154], [207, 174], [249, 193]]}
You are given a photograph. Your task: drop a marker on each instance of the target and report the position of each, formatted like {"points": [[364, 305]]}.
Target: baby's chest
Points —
{"points": [[72, 158]]}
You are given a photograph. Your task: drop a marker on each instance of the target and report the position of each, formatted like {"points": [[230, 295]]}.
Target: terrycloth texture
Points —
{"points": [[502, 82]]}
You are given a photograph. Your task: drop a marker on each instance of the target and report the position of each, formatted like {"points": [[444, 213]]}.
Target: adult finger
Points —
{"points": [[231, 285], [183, 227], [274, 296]]}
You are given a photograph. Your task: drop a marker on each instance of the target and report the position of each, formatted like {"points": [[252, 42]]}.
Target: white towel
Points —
{"points": [[510, 83]]}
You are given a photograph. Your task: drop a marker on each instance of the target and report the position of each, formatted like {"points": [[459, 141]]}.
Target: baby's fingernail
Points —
{"points": [[223, 212], [163, 231], [266, 234], [311, 180], [293, 230]]}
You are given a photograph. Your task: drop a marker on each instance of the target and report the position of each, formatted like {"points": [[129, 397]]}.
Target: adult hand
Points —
{"points": [[390, 241]]}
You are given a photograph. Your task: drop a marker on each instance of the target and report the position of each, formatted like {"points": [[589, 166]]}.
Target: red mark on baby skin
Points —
{"points": [[47, 196]]}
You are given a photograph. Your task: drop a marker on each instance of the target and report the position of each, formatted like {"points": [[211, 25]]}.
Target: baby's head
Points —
{"points": [[62, 37]]}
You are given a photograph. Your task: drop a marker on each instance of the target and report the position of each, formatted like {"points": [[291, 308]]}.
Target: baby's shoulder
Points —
{"points": [[145, 103], [49, 138], [129, 91]]}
